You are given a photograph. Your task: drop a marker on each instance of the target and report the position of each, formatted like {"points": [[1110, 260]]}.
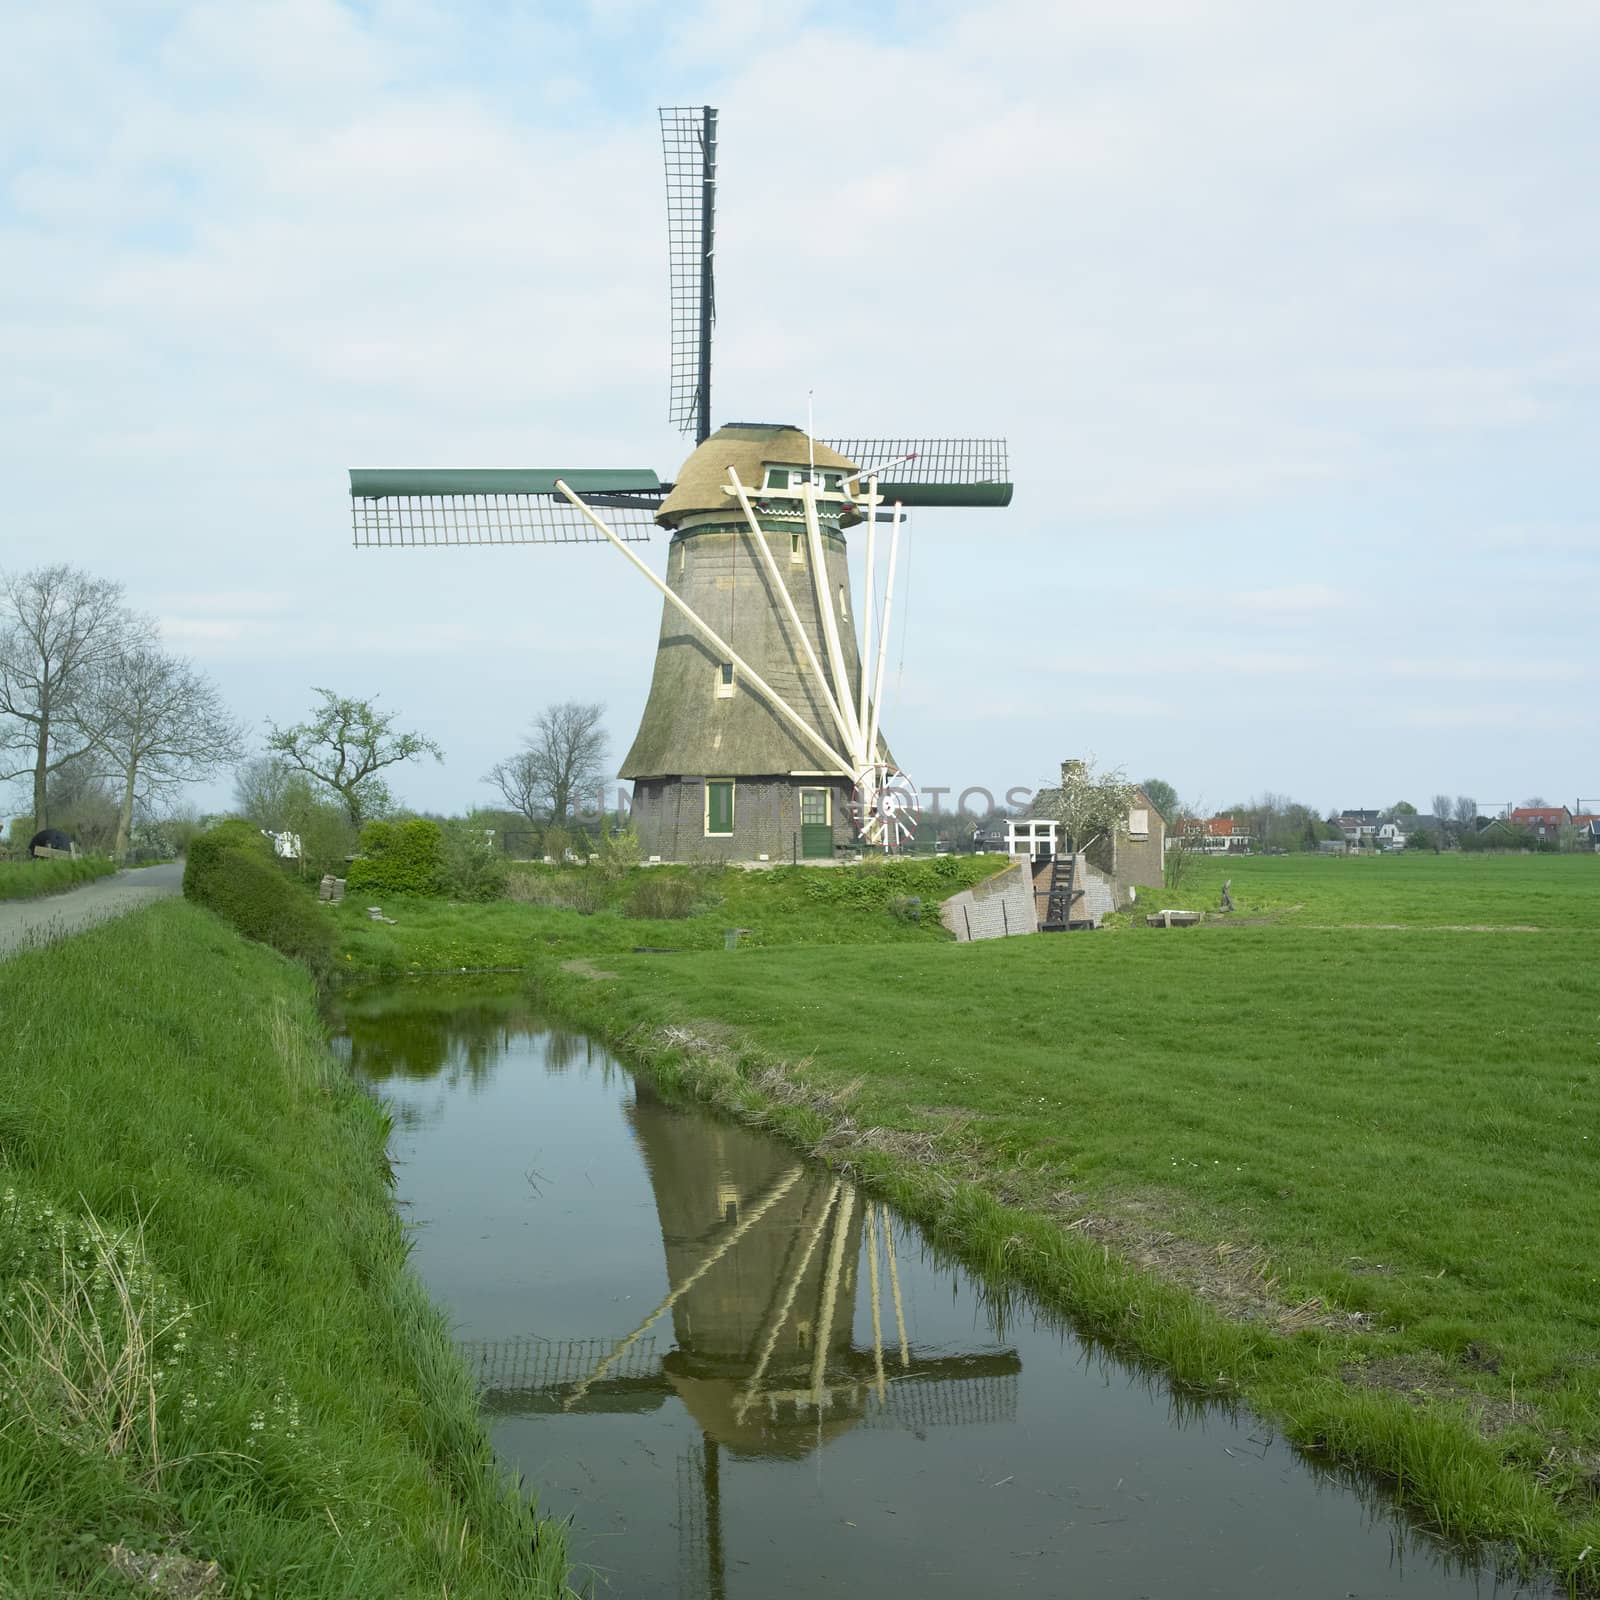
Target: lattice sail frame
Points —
{"points": [[931, 461], [403, 520], [691, 192]]}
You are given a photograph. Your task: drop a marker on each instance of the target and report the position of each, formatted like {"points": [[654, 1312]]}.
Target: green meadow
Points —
{"points": [[218, 1373], [1336, 1154]]}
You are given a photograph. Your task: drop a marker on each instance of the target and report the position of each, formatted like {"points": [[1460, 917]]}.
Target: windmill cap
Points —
{"points": [[747, 447]]}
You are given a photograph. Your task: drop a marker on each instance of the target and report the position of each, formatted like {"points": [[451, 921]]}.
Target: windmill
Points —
{"points": [[761, 736]]}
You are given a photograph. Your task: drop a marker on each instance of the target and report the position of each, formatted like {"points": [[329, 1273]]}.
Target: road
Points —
{"points": [[21, 921]]}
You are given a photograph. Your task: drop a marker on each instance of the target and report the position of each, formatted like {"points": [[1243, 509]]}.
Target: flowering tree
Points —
{"points": [[1088, 803]]}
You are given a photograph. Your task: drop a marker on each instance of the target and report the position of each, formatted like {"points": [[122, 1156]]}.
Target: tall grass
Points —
{"points": [[27, 880], [212, 1346]]}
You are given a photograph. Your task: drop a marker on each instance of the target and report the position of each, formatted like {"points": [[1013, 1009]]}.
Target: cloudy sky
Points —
{"points": [[1289, 313]]}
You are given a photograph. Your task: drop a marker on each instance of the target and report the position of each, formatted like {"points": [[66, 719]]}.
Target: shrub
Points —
{"points": [[906, 908], [472, 868], [231, 871], [399, 858], [619, 853], [662, 896], [584, 891]]}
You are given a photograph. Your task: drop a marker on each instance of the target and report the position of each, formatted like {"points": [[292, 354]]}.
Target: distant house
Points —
{"points": [[1542, 822], [1358, 827], [1588, 825], [1216, 836]]}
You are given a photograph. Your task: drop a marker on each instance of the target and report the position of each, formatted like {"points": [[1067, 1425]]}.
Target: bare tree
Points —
{"points": [[518, 778], [58, 628], [159, 721], [1466, 811], [1444, 808], [1535, 803], [260, 790], [344, 746], [562, 758]]}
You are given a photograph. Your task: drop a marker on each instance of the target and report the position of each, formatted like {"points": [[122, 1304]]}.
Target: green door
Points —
{"points": [[816, 831], [719, 807]]}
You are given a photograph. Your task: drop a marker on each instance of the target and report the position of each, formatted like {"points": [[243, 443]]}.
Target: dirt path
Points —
{"points": [[54, 916]]}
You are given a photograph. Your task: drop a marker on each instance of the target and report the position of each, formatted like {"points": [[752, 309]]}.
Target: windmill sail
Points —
{"points": [[689, 145], [447, 506], [934, 472]]}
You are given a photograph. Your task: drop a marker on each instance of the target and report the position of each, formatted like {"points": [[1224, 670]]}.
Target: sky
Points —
{"points": [[1288, 312]]}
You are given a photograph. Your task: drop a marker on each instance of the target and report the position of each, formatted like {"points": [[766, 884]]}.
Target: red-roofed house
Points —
{"points": [[1543, 822], [1215, 836]]}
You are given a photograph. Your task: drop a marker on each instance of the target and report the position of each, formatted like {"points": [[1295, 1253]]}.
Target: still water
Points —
{"points": [[742, 1378]]}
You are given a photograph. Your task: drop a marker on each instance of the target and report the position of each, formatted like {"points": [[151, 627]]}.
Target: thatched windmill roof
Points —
{"points": [[747, 447]]}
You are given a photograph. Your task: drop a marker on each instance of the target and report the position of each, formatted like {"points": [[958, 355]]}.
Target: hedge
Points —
{"points": [[231, 870], [399, 858]]}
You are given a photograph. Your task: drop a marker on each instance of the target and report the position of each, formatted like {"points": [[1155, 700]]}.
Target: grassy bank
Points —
{"points": [[579, 911], [213, 1349], [27, 880], [1345, 1173]]}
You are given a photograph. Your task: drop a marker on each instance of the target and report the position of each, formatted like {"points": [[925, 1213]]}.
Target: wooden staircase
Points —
{"points": [[1063, 897]]}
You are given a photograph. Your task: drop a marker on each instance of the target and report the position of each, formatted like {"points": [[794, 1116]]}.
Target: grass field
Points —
{"points": [[1346, 1171], [212, 1347], [27, 880], [784, 906], [1412, 888]]}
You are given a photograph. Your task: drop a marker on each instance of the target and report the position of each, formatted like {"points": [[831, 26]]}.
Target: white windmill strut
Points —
{"points": [[830, 621], [782, 590], [883, 641], [841, 764], [870, 598]]}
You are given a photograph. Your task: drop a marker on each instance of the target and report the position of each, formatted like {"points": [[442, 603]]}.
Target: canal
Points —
{"points": [[741, 1377]]}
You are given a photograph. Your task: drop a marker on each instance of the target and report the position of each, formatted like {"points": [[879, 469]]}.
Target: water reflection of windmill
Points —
{"points": [[763, 1257]]}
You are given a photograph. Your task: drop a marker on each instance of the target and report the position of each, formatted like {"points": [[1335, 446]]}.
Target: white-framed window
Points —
{"points": [[682, 555], [816, 806], [785, 480], [1138, 822], [719, 807], [844, 606], [724, 680], [796, 554]]}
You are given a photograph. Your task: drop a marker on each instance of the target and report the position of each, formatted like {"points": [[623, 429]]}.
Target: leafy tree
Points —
{"points": [[562, 760], [159, 722], [59, 628], [344, 746], [1163, 797], [1404, 808]]}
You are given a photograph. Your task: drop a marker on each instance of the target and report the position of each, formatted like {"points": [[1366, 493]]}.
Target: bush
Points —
{"points": [[662, 896], [231, 871], [619, 853], [399, 858], [906, 908], [472, 868], [583, 891]]}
